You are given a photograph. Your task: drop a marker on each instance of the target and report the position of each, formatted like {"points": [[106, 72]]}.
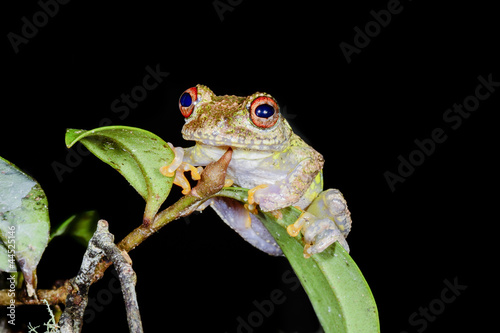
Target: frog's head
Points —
{"points": [[252, 122]]}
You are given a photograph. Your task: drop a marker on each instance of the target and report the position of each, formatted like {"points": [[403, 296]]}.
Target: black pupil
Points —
{"points": [[186, 100], [264, 111]]}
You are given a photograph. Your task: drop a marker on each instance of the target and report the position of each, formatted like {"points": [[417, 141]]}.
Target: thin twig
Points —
{"points": [[54, 296], [128, 279], [76, 302], [93, 267], [101, 244]]}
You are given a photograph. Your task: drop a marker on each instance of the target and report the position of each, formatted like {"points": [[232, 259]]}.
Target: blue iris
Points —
{"points": [[264, 111], [186, 100]]}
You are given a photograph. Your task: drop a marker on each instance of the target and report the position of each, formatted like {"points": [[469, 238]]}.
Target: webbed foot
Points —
{"points": [[332, 222], [177, 168], [331, 204], [320, 234]]}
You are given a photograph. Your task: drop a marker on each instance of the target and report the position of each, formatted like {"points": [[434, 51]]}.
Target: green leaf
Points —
{"points": [[24, 222], [338, 291], [137, 154], [79, 226]]}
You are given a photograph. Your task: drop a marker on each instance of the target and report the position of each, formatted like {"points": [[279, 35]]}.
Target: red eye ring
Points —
{"points": [[264, 111], [187, 101]]}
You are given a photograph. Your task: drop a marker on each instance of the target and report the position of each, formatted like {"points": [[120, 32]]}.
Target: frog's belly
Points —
{"points": [[248, 168], [250, 173]]}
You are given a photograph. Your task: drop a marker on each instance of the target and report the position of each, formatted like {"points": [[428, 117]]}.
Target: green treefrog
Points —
{"points": [[268, 158]]}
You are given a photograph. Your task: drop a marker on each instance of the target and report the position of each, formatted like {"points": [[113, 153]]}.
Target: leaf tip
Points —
{"points": [[72, 136]]}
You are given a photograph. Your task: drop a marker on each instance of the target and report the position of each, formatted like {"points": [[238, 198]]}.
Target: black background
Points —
{"points": [[196, 273]]}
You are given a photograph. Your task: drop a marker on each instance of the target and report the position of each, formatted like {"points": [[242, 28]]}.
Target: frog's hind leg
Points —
{"points": [[331, 204], [326, 221], [234, 214]]}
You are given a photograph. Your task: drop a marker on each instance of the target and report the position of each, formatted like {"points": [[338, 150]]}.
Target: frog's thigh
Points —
{"points": [[234, 214], [312, 192], [332, 205]]}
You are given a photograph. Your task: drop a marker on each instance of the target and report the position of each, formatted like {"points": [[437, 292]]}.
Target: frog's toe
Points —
{"points": [[178, 170], [268, 197], [252, 208], [320, 234], [181, 180], [252, 199], [228, 182], [294, 228], [169, 170]]}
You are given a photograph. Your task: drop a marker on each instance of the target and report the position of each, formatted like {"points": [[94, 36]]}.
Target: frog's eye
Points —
{"points": [[264, 111], [187, 101]]}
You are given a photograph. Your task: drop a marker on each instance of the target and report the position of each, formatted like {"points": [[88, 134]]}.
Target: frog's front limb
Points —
{"points": [[177, 167], [251, 193], [325, 221]]}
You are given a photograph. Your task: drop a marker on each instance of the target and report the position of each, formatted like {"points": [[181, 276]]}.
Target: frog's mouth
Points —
{"points": [[213, 153], [264, 140], [241, 144]]}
